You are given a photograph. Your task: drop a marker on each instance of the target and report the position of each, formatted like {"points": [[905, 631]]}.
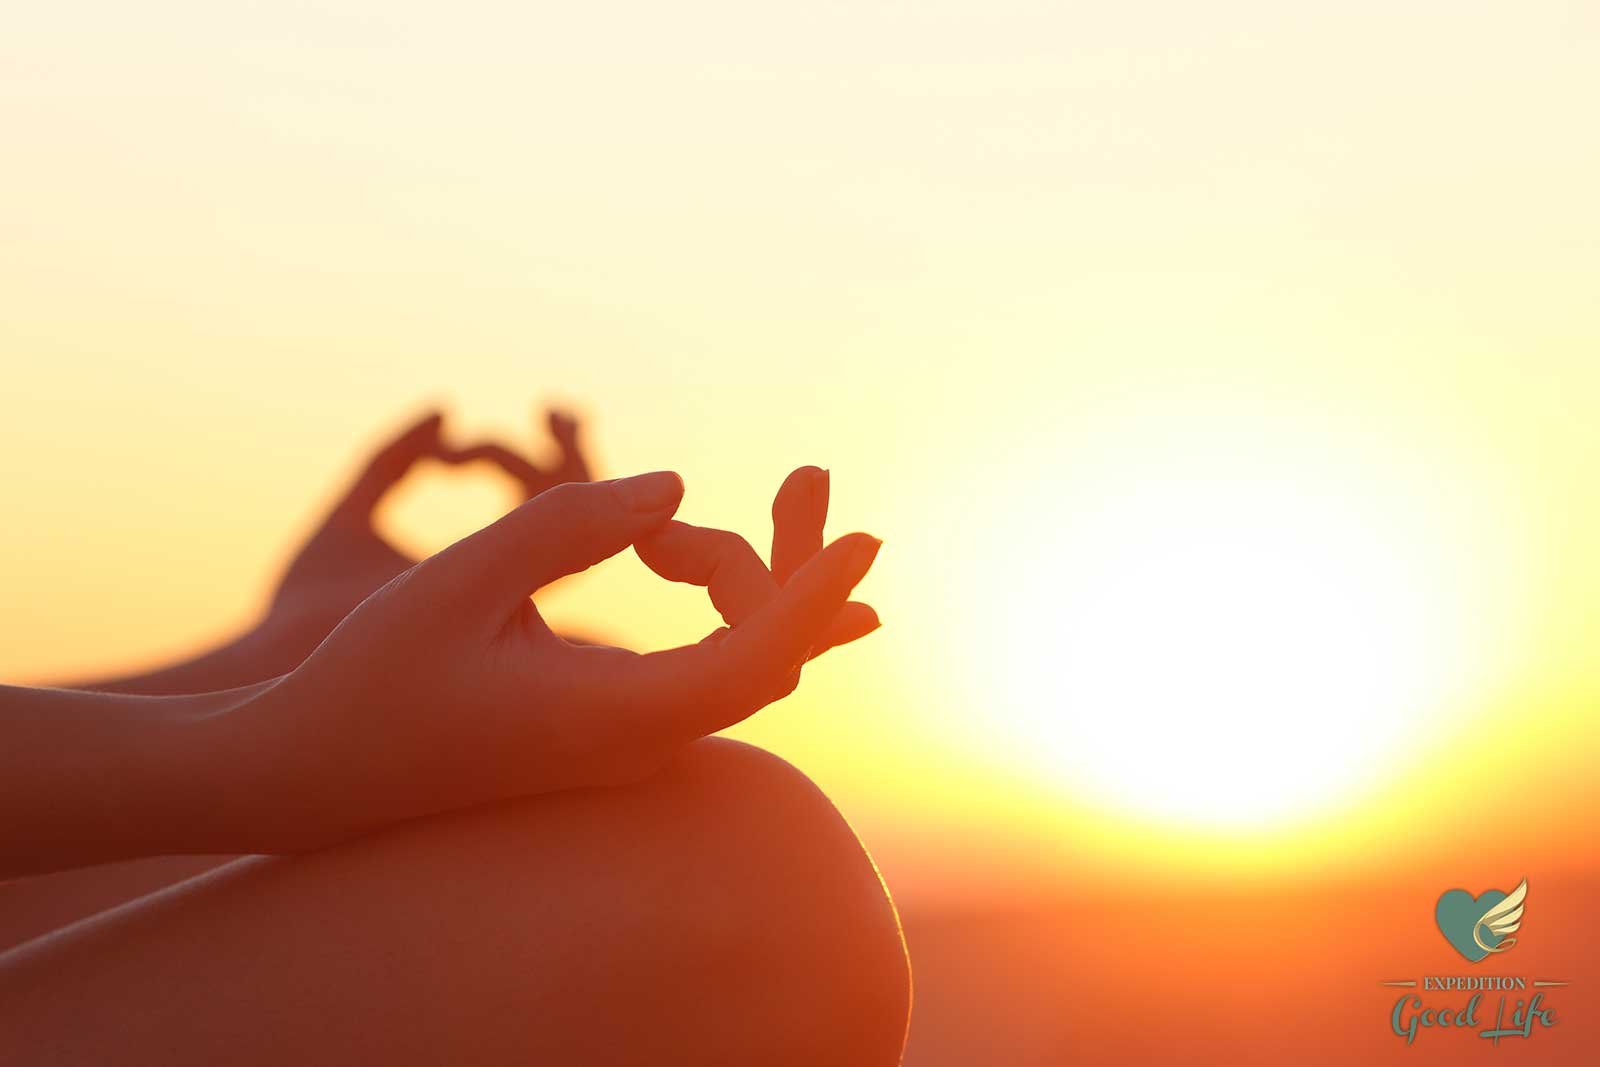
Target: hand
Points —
{"points": [[733, 574], [342, 563], [346, 560], [446, 689]]}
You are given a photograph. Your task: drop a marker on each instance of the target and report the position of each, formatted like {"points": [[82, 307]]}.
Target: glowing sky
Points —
{"points": [[1078, 304]]}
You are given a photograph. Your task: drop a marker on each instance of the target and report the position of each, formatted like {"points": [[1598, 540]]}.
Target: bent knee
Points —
{"points": [[719, 912], [794, 905]]}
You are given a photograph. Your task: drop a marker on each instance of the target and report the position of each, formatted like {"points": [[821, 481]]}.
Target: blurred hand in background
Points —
{"points": [[346, 559]]}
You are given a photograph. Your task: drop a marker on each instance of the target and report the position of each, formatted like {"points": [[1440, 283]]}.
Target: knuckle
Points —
{"points": [[731, 547], [725, 541], [786, 685]]}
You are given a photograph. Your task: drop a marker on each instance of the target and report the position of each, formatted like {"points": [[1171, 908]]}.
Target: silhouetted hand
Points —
{"points": [[446, 689], [731, 571], [346, 559]]}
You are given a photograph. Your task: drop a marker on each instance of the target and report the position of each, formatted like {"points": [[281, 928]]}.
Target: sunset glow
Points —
{"points": [[1229, 471]]}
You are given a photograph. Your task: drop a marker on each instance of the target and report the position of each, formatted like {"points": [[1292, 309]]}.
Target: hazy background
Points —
{"points": [[1222, 382]]}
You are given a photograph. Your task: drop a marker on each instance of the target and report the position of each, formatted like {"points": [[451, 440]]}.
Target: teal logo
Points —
{"points": [[1478, 926]]}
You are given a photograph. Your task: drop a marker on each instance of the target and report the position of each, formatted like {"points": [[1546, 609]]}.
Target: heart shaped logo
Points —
{"points": [[1479, 926]]}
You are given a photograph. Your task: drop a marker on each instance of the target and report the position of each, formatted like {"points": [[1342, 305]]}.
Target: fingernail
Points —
{"points": [[865, 551], [650, 492]]}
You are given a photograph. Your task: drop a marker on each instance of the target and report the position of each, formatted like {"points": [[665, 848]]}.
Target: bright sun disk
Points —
{"points": [[1225, 642]]}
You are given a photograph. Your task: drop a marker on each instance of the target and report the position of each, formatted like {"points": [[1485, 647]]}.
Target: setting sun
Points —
{"points": [[1218, 381], [1225, 634]]}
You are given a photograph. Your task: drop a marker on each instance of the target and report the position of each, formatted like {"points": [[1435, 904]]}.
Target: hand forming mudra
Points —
{"points": [[536, 919], [446, 689], [439, 687], [346, 558]]}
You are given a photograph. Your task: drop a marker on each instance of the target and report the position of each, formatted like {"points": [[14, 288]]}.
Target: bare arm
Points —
{"points": [[343, 562], [97, 777], [246, 659], [355, 738]]}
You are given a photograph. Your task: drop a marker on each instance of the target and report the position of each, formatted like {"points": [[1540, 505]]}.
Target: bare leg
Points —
{"points": [[33, 906], [720, 912]]}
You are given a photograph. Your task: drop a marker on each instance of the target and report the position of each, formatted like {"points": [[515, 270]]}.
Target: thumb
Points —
{"points": [[562, 531], [388, 466]]}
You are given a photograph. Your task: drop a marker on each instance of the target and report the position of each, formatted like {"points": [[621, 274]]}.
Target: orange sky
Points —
{"points": [[1037, 284]]}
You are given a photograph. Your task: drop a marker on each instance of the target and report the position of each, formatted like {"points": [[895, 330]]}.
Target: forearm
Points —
{"points": [[270, 650], [263, 652], [96, 777]]}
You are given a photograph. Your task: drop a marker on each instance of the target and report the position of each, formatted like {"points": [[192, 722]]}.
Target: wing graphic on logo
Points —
{"points": [[1502, 920]]}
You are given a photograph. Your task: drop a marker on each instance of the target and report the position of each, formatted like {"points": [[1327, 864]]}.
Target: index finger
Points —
{"points": [[694, 690], [722, 562], [571, 466], [519, 467], [388, 466]]}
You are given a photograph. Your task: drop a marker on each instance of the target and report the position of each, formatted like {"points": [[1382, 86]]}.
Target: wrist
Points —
{"points": [[276, 645], [278, 786], [262, 652], [97, 777], [207, 771]]}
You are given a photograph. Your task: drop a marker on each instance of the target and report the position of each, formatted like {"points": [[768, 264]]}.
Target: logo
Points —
{"points": [[1478, 927]]}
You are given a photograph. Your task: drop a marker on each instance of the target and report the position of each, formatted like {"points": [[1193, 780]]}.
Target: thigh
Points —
{"points": [[30, 907], [656, 923]]}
